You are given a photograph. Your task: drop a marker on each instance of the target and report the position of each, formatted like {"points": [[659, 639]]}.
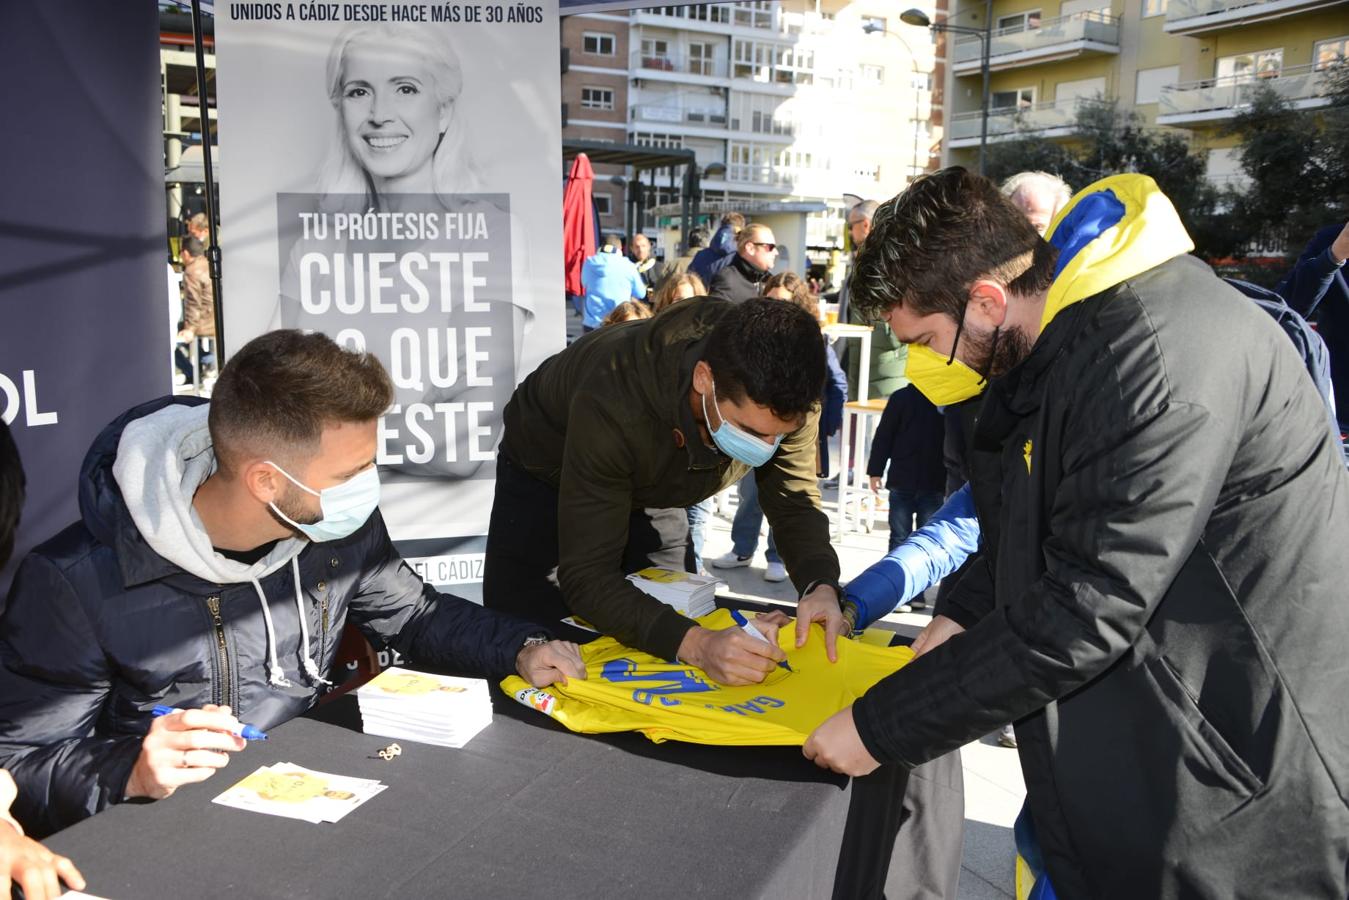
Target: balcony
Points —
{"points": [[1045, 120], [760, 175], [1219, 99], [673, 114], [678, 67], [1199, 16], [1067, 37]]}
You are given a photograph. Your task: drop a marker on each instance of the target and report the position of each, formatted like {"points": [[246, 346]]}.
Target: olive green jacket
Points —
{"points": [[608, 422]]}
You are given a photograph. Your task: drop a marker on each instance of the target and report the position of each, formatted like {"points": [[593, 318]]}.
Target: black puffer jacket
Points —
{"points": [[1159, 603], [100, 628]]}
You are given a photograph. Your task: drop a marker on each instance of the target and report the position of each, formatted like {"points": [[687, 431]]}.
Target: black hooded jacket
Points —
{"points": [[100, 628]]}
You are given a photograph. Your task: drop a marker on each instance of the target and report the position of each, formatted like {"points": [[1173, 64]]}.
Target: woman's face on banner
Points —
{"points": [[391, 115]]}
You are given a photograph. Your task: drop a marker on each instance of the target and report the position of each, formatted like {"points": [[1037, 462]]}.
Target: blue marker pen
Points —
{"points": [[753, 632], [247, 732]]}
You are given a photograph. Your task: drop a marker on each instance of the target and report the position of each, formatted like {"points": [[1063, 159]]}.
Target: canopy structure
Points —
{"points": [[647, 159]]}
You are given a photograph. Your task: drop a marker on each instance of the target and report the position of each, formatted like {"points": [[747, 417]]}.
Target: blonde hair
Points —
{"points": [[452, 168], [751, 234], [665, 294], [627, 311], [792, 284]]}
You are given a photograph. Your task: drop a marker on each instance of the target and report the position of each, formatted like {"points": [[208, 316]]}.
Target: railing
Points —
{"points": [[748, 173], [1235, 91], [680, 63], [1028, 119], [717, 14], [1094, 25], [679, 115], [1188, 9]]}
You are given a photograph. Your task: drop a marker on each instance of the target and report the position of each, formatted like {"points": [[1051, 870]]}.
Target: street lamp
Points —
{"points": [[873, 28], [985, 34]]}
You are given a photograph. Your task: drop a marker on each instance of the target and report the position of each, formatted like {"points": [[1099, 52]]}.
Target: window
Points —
{"points": [[597, 98], [760, 113], [920, 81], [872, 75], [598, 44], [702, 59], [1151, 82], [1021, 98], [873, 23], [1022, 21], [753, 14], [1154, 8], [604, 204], [1243, 66], [660, 141], [1328, 53]]}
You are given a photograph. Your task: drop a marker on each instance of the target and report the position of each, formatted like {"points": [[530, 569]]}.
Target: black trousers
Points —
{"points": [[520, 571]]}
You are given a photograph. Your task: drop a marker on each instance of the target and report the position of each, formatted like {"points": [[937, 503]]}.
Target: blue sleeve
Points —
{"points": [[929, 555], [638, 285], [1305, 287]]}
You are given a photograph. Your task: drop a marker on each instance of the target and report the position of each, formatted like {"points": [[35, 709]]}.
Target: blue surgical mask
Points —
{"points": [[345, 506], [734, 442]]}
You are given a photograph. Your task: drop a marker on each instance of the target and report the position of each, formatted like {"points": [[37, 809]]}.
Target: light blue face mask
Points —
{"points": [[734, 442], [345, 506]]}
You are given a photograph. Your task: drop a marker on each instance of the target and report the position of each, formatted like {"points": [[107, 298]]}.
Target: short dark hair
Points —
{"points": [[698, 237], [770, 352], [12, 484], [276, 395], [930, 243], [194, 246], [612, 239]]}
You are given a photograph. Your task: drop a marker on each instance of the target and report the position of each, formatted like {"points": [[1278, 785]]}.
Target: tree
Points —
{"points": [[1108, 141], [1295, 165]]}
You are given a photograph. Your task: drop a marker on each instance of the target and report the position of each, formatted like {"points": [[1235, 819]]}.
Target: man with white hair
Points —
{"points": [[1039, 195]]}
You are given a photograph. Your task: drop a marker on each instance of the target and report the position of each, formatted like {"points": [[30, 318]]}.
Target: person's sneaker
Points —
{"points": [[918, 603], [776, 571], [1007, 737], [904, 607], [729, 560]]}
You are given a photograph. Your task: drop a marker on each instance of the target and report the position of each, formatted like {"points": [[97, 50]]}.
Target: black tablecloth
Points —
{"points": [[525, 810], [528, 809]]}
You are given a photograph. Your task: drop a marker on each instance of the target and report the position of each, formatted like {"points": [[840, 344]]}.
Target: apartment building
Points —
{"points": [[1187, 64], [781, 101]]}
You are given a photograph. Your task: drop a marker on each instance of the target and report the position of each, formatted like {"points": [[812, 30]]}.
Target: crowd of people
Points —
{"points": [[1118, 467]]}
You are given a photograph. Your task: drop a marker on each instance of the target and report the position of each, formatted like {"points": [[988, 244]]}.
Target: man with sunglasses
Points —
{"points": [[610, 440], [756, 251]]}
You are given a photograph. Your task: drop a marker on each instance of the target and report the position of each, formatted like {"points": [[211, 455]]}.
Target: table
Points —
{"points": [[525, 810], [842, 330], [853, 484]]}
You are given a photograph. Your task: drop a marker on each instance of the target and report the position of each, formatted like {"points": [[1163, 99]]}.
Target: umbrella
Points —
{"points": [[578, 222]]}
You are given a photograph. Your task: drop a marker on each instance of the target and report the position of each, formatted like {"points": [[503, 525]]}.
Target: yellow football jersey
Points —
{"points": [[627, 690]]}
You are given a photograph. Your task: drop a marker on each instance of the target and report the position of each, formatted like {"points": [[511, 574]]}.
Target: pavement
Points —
{"points": [[994, 789]]}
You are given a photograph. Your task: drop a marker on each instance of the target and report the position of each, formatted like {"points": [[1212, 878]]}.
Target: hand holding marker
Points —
{"points": [[749, 629], [247, 732]]}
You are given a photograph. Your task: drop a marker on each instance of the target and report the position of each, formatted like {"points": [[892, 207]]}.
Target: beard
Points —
{"points": [[993, 359], [292, 506]]}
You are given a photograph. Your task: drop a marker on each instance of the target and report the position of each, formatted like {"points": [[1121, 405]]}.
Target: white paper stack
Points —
{"points": [[692, 595], [295, 792], [416, 706]]}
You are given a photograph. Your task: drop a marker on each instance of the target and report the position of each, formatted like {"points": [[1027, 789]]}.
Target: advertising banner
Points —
{"points": [[83, 249], [394, 181]]}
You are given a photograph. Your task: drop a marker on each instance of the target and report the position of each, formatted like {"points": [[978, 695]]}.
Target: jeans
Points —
{"points": [[905, 506], [698, 515], [748, 520]]}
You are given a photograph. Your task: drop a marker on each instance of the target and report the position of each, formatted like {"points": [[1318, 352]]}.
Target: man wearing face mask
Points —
{"points": [[222, 550], [627, 426], [1158, 600]]}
